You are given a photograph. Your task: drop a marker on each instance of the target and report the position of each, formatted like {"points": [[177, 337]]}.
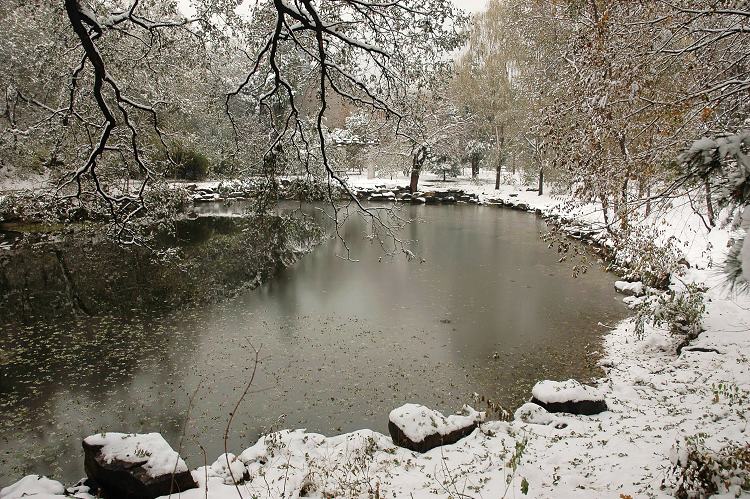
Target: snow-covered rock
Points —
{"points": [[135, 465], [568, 396], [535, 414], [33, 486], [420, 428], [630, 288], [633, 302], [228, 467]]}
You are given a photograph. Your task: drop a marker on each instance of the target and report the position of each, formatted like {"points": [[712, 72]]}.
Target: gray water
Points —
{"points": [[484, 308]]}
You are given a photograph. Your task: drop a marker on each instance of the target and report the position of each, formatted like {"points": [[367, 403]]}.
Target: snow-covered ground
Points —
{"points": [[655, 398], [13, 180]]}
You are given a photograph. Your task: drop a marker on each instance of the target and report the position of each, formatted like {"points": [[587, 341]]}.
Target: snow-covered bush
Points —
{"points": [[443, 165], [645, 258], [163, 204], [726, 160], [309, 190], [698, 471], [680, 312]]}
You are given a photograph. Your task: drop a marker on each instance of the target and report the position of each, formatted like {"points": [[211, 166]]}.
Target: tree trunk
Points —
{"points": [[616, 206], [605, 210], [624, 200], [709, 204], [414, 182], [416, 168], [500, 141], [475, 166], [541, 180], [623, 215]]}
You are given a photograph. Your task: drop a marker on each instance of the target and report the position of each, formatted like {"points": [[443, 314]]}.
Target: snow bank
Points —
{"points": [[150, 449], [367, 464], [229, 468], [33, 485], [418, 422]]}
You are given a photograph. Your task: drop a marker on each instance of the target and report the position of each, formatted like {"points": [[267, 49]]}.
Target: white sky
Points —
{"points": [[471, 5]]}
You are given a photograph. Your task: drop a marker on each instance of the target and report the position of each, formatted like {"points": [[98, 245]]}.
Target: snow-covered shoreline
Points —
{"points": [[655, 398]]}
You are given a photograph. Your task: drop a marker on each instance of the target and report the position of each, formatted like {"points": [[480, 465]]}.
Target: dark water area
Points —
{"points": [[484, 308]]}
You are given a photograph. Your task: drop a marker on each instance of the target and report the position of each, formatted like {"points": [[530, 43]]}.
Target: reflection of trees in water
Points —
{"points": [[76, 277], [64, 347]]}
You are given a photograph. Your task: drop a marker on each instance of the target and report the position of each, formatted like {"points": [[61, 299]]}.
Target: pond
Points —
{"points": [[484, 308]]}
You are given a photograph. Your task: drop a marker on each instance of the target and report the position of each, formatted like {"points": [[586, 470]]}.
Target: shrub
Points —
{"points": [[647, 259], [682, 312], [697, 471], [190, 163]]}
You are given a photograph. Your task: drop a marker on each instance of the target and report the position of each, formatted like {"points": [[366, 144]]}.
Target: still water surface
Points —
{"points": [[489, 311]]}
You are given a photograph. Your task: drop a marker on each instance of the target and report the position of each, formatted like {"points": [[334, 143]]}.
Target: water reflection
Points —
{"points": [[342, 342]]}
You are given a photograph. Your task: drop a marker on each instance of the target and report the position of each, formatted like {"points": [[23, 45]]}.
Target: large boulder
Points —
{"points": [[568, 396], [135, 465], [420, 429]]}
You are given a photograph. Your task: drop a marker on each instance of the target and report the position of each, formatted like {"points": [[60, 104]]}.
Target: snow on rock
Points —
{"points": [[227, 467], [630, 288], [534, 414], [33, 485], [420, 428], [149, 450], [135, 465], [633, 302], [568, 396]]}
